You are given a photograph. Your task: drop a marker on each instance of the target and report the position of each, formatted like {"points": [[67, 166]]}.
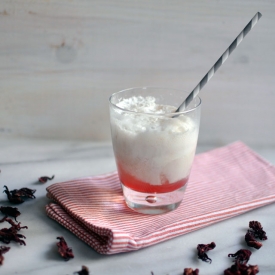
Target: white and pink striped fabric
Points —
{"points": [[224, 182]]}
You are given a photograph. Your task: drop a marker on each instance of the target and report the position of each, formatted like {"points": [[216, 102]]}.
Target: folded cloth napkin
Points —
{"points": [[224, 182]]}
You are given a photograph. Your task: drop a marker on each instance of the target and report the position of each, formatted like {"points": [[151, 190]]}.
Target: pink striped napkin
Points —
{"points": [[224, 182]]}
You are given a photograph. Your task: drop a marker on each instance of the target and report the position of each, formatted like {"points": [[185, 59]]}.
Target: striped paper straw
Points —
{"points": [[220, 61]]}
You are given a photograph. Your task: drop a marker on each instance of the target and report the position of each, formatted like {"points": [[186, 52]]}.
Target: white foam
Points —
{"points": [[144, 105], [153, 147]]}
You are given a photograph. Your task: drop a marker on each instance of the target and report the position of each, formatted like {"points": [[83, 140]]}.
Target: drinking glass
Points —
{"points": [[154, 146]]}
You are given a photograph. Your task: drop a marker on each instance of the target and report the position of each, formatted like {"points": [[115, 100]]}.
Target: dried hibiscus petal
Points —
{"points": [[23, 192], [63, 249], [190, 271], [44, 179], [258, 230], [83, 271], [15, 226], [11, 234], [10, 211], [18, 195], [202, 249], [251, 241], [3, 249], [242, 269], [12, 198], [241, 256], [252, 270]]}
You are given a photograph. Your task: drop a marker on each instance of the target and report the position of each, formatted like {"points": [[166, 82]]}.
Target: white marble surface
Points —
{"points": [[22, 162]]}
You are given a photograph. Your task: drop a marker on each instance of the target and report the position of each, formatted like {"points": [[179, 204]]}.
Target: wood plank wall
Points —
{"points": [[61, 60]]}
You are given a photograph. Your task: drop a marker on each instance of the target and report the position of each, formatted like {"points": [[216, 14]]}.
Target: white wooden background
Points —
{"points": [[61, 60]]}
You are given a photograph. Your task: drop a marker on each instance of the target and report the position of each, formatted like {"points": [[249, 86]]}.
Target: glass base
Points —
{"points": [[153, 203]]}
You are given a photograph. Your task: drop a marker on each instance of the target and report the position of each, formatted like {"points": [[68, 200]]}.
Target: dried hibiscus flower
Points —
{"points": [[251, 240], [83, 271], [24, 192], [11, 234], [11, 198], [242, 269], [241, 256], [190, 271], [18, 195], [63, 249], [13, 224], [202, 249], [258, 230], [44, 179], [3, 249], [10, 211]]}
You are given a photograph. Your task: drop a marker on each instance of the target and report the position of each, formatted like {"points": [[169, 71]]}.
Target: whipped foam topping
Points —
{"points": [[144, 105]]}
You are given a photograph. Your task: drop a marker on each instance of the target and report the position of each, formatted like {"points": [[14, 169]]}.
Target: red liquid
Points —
{"points": [[145, 187]]}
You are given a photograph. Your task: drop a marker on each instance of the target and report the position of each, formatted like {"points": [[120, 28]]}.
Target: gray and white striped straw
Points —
{"points": [[220, 61]]}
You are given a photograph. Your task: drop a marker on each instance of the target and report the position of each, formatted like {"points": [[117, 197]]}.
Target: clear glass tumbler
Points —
{"points": [[154, 147]]}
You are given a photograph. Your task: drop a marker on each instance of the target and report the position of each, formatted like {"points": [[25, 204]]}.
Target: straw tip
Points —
{"points": [[259, 15]]}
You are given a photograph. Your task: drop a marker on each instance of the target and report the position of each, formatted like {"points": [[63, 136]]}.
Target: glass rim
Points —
{"points": [[153, 114]]}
